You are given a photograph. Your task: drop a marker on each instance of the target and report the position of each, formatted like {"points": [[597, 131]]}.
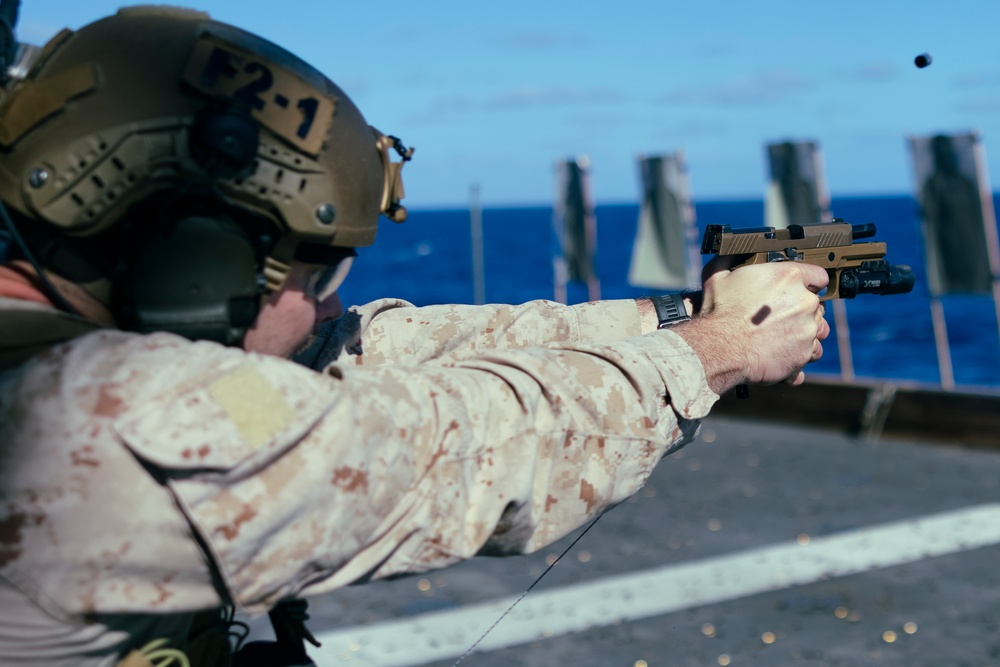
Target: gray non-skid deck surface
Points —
{"points": [[744, 485]]}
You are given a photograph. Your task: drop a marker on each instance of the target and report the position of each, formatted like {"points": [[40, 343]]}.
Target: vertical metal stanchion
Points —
{"points": [[478, 263], [843, 340], [941, 343]]}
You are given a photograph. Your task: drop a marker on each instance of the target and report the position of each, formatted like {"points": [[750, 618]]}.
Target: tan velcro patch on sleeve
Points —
{"points": [[257, 409]]}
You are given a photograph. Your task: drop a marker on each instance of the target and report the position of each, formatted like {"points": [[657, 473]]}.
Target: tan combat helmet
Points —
{"points": [[157, 107]]}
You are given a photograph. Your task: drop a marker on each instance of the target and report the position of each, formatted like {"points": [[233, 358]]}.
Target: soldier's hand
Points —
{"points": [[759, 324]]}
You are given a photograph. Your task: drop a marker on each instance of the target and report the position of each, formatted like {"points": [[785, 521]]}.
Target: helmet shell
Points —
{"points": [[130, 106]]}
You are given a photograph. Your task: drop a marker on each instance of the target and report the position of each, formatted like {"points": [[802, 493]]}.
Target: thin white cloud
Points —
{"points": [[982, 105], [716, 49], [702, 128], [526, 96], [539, 41], [874, 72], [761, 89], [978, 80], [442, 110]]}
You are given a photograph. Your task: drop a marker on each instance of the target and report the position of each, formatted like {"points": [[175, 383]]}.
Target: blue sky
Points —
{"points": [[495, 93]]}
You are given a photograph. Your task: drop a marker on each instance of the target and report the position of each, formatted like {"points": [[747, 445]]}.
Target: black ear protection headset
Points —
{"points": [[189, 264], [195, 271]]}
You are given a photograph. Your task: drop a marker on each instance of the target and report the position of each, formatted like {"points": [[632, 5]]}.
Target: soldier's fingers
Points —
{"points": [[813, 277], [797, 379], [823, 328], [721, 263]]}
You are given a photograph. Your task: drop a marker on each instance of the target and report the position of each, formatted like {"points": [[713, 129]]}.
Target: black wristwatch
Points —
{"points": [[670, 310]]}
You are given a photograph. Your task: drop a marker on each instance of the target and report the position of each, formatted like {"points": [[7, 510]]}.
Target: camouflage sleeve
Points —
{"points": [[394, 331], [305, 482]]}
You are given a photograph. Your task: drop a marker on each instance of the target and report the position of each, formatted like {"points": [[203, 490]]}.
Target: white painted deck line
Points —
{"points": [[547, 613]]}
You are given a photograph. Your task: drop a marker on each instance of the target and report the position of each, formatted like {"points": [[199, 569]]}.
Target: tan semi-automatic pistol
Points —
{"points": [[854, 268]]}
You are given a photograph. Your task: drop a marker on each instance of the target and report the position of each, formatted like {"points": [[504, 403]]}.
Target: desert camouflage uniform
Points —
{"points": [[144, 477]]}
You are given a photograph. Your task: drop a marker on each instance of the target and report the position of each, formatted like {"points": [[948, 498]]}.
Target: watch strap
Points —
{"points": [[670, 309]]}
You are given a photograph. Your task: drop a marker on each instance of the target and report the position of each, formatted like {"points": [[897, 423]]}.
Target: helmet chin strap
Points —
{"points": [[50, 290]]}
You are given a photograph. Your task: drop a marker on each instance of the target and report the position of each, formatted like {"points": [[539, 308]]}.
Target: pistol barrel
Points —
{"points": [[863, 231]]}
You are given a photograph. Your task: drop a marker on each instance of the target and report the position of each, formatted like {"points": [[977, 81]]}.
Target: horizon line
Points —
{"points": [[622, 202]]}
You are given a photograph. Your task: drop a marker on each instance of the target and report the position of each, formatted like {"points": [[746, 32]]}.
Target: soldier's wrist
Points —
{"points": [[663, 311]]}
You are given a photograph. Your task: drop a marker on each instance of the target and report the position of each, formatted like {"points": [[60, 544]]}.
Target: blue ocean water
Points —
{"points": [[427, 260]]}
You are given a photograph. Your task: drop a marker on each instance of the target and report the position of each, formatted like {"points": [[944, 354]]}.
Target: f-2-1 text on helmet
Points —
{"points": [[174, 165]]}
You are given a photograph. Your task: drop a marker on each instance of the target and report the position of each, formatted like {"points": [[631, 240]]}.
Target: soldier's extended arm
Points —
{"points": [[398, 332], [854, 268]]}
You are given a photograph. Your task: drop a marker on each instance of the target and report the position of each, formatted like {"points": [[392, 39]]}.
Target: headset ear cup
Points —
{"points": [[197, 277]]}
